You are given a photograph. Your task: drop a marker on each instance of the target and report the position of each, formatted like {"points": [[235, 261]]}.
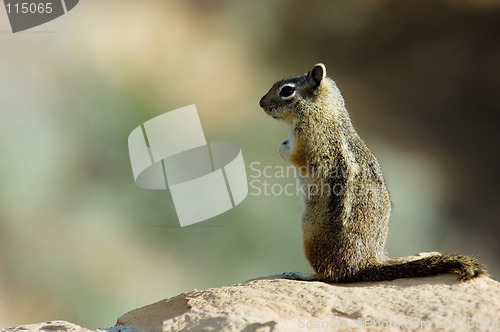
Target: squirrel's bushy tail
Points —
{"points": [[467, 268]]}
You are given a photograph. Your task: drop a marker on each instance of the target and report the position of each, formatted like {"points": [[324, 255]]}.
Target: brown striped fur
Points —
{"points": [[344, 224]]}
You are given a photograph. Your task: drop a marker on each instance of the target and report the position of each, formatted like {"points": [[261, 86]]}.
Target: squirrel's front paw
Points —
{"points": [[284, 149]]}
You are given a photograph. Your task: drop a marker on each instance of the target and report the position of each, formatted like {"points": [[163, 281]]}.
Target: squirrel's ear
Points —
{"points": [[317, 74]]}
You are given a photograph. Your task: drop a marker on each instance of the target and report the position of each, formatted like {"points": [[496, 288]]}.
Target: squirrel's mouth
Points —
{"points": [[273, 113], [276, 116]]}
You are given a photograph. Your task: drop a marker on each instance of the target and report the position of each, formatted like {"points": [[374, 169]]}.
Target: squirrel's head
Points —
{"points": [[289, 95]]}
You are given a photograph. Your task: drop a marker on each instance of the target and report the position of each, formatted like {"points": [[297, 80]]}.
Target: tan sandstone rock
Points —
{"points": [[57, 325], [439, 303]]}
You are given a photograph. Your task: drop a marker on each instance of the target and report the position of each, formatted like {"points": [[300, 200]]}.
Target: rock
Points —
{"points": [[63, 326], [439, 303], [57, 325], [275, 304]]}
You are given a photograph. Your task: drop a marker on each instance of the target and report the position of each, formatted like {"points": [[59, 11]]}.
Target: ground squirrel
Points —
{"points": [[347, 204]]}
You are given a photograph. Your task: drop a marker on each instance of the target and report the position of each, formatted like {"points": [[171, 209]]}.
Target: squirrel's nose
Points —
{"points": [[261, 102]]}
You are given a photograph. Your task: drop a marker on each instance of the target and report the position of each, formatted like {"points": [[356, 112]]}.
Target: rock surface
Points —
{"points": [[275, 304], [60, 325], [439, 303], [57, 325]]}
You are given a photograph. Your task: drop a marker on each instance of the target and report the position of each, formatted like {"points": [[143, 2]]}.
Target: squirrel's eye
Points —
{"points": [[287, 91]]}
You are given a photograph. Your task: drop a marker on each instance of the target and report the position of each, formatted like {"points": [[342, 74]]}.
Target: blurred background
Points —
{"points": [[79, 241]]}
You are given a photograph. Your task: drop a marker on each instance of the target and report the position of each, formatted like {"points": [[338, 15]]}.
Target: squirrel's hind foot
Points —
{"points": [[295, 275]]}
